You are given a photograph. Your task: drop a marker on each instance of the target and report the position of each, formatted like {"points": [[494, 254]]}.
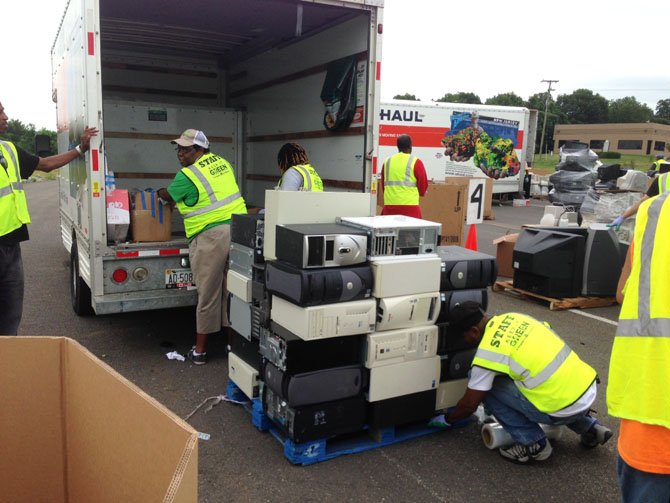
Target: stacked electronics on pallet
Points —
{"points": [[336, 329]]}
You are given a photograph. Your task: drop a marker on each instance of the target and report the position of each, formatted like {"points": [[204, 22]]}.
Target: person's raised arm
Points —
{"points": [[50, 163]]}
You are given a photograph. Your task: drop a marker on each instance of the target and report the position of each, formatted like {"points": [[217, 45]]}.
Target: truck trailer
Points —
{"points": [[251, 74], [455, 139]]}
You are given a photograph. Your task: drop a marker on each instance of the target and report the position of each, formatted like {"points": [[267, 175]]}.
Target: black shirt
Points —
{"points": [[653, 188], [27, 164]]}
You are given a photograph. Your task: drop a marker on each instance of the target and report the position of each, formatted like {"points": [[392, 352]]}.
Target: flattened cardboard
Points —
{"points": [[150, 220], [488, 189], [504, 248], [446, 204], [72, 429]]}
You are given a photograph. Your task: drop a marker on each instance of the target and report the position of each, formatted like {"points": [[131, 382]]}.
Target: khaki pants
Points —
{"points": [[208, 253]]}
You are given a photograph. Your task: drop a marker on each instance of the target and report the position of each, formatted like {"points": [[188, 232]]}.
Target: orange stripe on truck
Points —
{"points": [[422, 136]]}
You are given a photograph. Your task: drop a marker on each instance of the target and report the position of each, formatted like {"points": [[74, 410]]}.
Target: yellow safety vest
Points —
{"points": [[544, 368], [663, 184], [640, 364], [399, 181], [13, 204], [658, 163], [218, 194], [311, 181]]}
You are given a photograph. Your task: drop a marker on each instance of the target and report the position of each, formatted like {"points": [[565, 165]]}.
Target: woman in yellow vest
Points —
{"points": [[525, 375], [639, 373], [297, 173], [206, 194]]}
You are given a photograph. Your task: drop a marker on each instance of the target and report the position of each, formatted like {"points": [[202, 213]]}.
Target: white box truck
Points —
{"points": [[454, 139], [251, 74]]}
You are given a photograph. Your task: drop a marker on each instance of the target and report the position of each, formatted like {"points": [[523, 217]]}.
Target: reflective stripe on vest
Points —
{"points": [[640, 360], [311, 181], [13, 205], [215, 203], [400, 184], [663, 183]]}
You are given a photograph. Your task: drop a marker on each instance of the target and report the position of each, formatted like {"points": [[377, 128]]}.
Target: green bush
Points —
{"points": [[610, 155]]}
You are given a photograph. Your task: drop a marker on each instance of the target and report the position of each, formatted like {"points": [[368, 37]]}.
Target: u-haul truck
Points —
{"points": [[454, 139], [249, 73]]}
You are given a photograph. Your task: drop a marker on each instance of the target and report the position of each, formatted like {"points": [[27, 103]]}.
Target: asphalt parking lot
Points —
{"points": [[239, 463]]}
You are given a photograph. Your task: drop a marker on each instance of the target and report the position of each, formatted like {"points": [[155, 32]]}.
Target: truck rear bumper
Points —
{"points": [[144, 301]]}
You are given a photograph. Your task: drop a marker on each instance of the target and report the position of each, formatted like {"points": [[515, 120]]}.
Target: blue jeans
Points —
{"points": [[11, 288], [520, 418], [642, 487]]}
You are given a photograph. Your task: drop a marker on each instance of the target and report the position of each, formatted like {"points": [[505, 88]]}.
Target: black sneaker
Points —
{"points": [[597, 435], [199, 359], [522, 454]]}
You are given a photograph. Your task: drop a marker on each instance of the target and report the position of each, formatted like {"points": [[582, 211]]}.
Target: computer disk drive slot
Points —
{"points": [[243, 374], [408, 311], [449, 393], [314, 422], [329, 320], [292, 354], [326, 385], [395, 276], [239, 285], [320, 245], [404, 378], [396, 346], [396, 234], [310, 287]]}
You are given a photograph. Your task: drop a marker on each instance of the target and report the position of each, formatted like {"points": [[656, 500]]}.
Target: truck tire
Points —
{"points": [[80, 293]]}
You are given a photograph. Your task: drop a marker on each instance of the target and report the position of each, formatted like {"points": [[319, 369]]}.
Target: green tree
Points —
{"points": [[663, 109], [405, 96], [583, 107], [461, 97], [23, 135], [628, 109], [506, 99]]}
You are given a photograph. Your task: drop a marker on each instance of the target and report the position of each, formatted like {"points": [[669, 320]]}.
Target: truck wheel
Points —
{"points": [[80, 292]]}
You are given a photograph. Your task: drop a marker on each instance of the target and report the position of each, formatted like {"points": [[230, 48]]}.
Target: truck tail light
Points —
{"points": [[120, 275]]}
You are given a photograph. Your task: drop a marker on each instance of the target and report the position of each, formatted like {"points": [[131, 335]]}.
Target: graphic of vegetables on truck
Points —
{"points": [[488, 141]]}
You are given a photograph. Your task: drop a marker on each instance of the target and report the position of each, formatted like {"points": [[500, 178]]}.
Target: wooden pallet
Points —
{"points": [[554, 304]]}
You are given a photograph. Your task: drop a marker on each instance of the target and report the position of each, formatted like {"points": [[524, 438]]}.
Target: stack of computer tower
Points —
{"points": [[464, 276], [249, 304]]}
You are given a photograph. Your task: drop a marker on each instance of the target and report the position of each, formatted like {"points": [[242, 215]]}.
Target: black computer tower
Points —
{"points": [[466, 269], [402, 409]]}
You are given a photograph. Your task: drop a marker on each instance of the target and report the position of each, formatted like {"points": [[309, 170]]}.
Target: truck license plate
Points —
{"points": [[179, 278]]}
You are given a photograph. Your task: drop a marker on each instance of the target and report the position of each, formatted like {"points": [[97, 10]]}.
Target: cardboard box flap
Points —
{"points": [[103, 437], [507, 238]]}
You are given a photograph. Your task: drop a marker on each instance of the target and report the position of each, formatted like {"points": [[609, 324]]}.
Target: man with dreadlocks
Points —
{"points": [[297, 173]]}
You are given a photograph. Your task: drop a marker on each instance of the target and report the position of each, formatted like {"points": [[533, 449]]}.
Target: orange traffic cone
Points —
{"points": [[471, 240]]}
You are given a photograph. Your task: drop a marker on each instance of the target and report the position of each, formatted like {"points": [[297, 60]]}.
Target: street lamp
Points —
{"points": [[546, 108]]}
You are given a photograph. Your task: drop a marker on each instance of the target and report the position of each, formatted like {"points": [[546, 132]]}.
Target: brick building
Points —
{"points": [[647, 138]]}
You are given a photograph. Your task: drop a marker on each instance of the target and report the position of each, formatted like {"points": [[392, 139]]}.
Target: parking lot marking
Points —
{"points": [[594, 317], [412, 475]]}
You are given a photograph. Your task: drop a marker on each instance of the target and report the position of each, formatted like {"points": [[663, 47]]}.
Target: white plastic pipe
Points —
{"points": [[495, 436]]}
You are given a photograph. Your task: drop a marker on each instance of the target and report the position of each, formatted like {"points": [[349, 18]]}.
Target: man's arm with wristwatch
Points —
{"points": [[50, 163]]}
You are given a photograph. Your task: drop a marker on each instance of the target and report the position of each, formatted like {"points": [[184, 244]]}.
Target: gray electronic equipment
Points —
{"points": [[396, 234], [320, 245], [407, 311], [396, 346], [239, 284], [240, 316], [449, 393], [404, 378], [394, 276], [241, 259], [328, 320]]}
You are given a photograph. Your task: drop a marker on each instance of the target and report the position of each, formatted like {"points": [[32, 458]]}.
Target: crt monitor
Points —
{"points": [[550, 262]]}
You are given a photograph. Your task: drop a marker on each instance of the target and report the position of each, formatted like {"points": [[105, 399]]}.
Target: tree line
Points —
{"points": [[23, 135], [582, 106]]}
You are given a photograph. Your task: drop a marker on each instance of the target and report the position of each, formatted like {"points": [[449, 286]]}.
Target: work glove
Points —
{"points": [[616, 223], [439, 422]]}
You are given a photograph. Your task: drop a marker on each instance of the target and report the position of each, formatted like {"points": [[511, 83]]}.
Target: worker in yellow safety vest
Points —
{"points": [[16, 165], [403, 181], [206, 194], [297, 173], [639, 372], [525, 375], [659, 185]]}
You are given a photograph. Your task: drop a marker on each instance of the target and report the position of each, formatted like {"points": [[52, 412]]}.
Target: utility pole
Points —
{"points": [[546, 108]]}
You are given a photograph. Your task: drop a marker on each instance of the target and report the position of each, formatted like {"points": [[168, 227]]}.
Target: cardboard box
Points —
{"points": [[446, 204], [72, 429], [118, 214], [488, 189], [504, 248], [150, 220]]}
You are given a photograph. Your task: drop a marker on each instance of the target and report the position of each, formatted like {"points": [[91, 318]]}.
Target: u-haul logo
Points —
{"points": [[400, 115]]}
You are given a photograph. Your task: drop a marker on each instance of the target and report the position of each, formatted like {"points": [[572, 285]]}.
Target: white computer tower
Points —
{"points": [[395, 276], [449, 393], [407, 311], [329, 320], [397, 346], [239, 285], [243, 375], [406, 378]]}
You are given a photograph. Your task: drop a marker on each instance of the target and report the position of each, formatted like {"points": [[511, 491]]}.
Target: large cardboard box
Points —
{"points": [[504, 251], [150, 219], [488, 189], [446, 204], [74, 430]]}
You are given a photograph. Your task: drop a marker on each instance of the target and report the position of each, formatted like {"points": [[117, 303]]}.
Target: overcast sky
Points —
{"points": [[431, 47]]}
